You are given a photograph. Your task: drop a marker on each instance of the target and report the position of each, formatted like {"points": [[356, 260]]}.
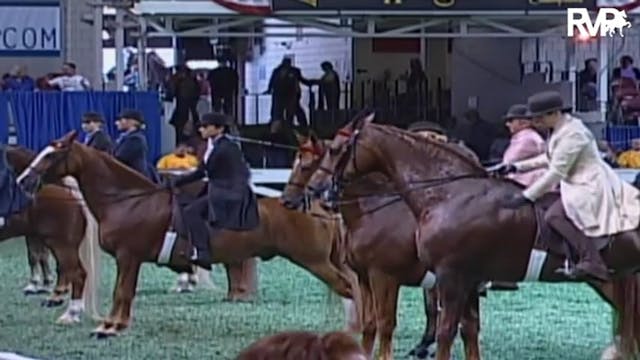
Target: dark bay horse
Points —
{"points": [[375, 224], [483, 241], [134, 216], [56, 220]]}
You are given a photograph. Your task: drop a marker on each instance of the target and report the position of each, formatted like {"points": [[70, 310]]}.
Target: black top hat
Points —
{"points": [[546, 102], [517, 111], [132, 114], [91, 116], [426, 126], [215, 119]]}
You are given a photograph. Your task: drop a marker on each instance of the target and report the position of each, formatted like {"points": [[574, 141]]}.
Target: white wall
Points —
{"points": [[307, 54]]}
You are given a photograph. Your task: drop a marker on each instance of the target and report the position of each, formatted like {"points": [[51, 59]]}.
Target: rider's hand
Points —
{"points": [[502, 169]]}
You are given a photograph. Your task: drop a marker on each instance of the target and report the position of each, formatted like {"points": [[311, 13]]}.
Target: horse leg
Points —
{"points": [[368, 315], [470, 327], [47, 279], [128, 269], [385, 298], [453, 297], [33, 260], [64, 267], [424, 348], [241, 280], [183, 284], [70, 261]]}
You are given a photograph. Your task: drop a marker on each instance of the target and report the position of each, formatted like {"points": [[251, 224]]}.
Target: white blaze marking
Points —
{"points": [[46, 151], [429, 280], [536, 262]]}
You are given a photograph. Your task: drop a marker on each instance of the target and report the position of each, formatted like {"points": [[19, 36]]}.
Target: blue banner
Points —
{"points": [[45, 116]]}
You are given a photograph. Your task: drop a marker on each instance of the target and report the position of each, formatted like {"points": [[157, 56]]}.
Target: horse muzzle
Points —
{"points": [[29, 182]]}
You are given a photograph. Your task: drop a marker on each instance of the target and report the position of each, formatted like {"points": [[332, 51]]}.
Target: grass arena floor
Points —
{"points": [[541, 322]]}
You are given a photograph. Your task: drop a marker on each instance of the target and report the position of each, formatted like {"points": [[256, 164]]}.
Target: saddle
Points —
{"points": [[549, 240]]}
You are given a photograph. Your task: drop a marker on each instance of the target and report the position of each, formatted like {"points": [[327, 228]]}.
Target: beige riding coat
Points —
{"points": [[594, 197]]}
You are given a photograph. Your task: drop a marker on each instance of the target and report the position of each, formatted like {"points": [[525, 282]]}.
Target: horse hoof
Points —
{"points": [[102, 333], [68, 319], [30, 290], [49, 303], [43, 290]]}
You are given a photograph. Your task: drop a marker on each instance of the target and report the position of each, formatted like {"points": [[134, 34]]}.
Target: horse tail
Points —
{"points": [[626, 296], [89, 252]]}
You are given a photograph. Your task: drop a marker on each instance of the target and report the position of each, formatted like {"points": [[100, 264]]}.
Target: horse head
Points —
{"points": [[19, 157], [307, 160], [342, 161], [62, 157]]}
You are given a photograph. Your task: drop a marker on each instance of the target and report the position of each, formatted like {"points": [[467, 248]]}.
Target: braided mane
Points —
{"points": [[429, 146]]}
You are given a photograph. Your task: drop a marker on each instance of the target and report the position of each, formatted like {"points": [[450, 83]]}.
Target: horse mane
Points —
{"points": [[430, 146], [112, 163]]}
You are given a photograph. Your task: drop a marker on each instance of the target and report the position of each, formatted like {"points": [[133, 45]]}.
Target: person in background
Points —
{"points": [[476, 133], [607, 154], [588, 86], [186, 90], [626, 70], [329, 84], [223, 81], [433, 131], [18, 80], [284, 87], [131, 147], [304, 345], [70, 80], [631, 158], [95, 136], [180, 159], [278, 157]]}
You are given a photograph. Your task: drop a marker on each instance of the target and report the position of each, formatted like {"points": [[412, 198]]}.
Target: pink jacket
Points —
{"points": [[525, 144]]}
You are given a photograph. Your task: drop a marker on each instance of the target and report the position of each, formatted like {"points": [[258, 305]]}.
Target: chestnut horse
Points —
{"points": [[375, 224], [437, 180], [126, 204], [56, 220], [41, 279]]}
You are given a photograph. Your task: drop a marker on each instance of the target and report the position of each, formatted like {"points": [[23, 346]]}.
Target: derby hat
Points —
{"points": [[426, 126], [215, 119], [132, 114], [517, 111], [546, 102]]}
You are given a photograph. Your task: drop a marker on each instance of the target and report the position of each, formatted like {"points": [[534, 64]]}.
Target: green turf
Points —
{"points": [[542, 322]]}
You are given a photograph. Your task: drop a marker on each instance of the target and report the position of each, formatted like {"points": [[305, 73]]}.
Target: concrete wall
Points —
{"points": [[307, 54], [78, 45]]}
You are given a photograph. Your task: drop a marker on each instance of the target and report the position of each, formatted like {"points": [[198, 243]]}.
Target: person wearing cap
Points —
{"points": [[131, 147], [595, 202], [525, 143], [95, 136], [229, 202], [435, 132]]}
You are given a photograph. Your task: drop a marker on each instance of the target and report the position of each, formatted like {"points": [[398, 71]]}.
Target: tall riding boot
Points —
{"points": [[200, 240], [590, 264]]}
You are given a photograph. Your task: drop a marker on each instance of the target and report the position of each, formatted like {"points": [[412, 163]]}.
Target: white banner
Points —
{"points": [[30, 30]]}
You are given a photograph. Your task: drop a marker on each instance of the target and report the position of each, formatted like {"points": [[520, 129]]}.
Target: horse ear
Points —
{"points": [[364, 121]]}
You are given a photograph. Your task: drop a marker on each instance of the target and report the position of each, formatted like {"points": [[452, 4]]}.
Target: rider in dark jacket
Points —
{"points": [[131, 147], [229, 202]]}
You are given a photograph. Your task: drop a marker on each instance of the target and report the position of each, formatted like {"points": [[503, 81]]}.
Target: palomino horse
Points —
{"points": [[127, 204], [375, 224], [469, 248], [56, 219]]}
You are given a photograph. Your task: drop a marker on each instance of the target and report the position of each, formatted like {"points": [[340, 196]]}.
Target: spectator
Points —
{"points": [[18, 80], [588, 86], [631, 157], [302, 345], [186, 89], [70, 80], [181, 158], [95, 137], [329, 84], [626, 69], [223, 81], [284, 87], [476, 133], [278, 157]]}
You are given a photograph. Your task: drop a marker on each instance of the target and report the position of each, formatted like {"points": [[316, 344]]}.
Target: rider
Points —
{"points": [[594, 202], [131, 147], [229, 202], [96, 137]]}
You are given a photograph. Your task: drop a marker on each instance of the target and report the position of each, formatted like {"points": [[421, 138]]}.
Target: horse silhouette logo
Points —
{"points": [[618, 22]]}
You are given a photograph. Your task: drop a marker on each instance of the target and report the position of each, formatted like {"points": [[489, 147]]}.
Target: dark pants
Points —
{"points": [[285, 108], [222, 104], [180, 117], [583, 245], [195, 218]]}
